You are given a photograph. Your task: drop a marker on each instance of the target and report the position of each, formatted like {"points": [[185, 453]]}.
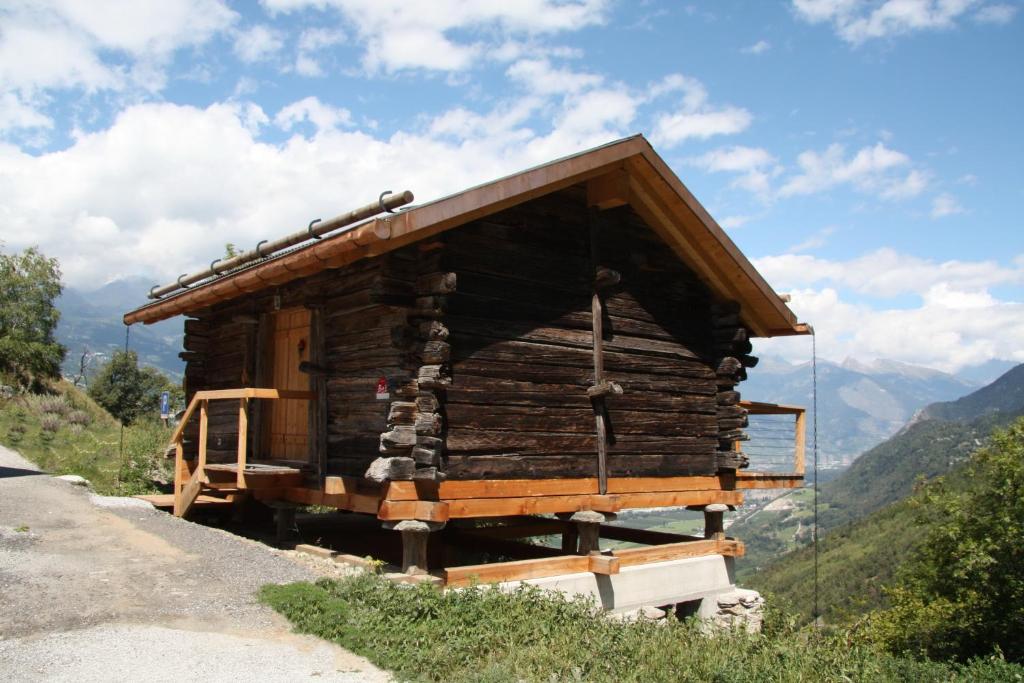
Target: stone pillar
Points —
{"points": [[714, 521], [414, 543]]}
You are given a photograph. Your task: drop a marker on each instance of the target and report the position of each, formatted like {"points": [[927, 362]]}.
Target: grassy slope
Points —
{"points": [[479, 634], [854, 562], [90, 450]]}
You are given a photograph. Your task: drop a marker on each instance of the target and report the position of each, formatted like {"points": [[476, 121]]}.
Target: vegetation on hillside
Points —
{"points": [[63, 431], [939, 574], [484, 634], [129, 392], [962, 591], [29, 354]]}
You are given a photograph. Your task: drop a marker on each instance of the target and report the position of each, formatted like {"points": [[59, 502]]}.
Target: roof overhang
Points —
{"points": [[631, 165]]}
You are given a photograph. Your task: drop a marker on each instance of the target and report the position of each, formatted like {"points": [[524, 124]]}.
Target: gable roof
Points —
{"points": [[643, 178]]}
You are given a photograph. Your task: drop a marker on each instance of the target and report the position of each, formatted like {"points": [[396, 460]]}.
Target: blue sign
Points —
{"points": [[165, 405]]}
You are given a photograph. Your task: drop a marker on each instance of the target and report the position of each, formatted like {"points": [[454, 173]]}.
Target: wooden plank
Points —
{"points": [[768, 480], [759, 408], [204, 426], [517, 488], [609, 190], [166, 500], [515, 571], [630, 557], [243, 437], [509, 507], [604, 564], [801, 442], [423, 510], [189, 493]]}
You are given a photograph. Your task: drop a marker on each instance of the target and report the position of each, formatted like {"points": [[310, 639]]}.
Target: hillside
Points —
{"points": [[941, 436], [863, 514]]}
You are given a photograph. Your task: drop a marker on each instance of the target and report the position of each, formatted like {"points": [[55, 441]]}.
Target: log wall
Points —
{"points": [[522, 360], [484, 337]]}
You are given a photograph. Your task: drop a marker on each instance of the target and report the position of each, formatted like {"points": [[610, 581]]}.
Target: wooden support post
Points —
{"points": [[570, 540], [597, 312], [588, 526], [204, 429], [714, 521], [414, 544], [285, 517], [243, 440]]}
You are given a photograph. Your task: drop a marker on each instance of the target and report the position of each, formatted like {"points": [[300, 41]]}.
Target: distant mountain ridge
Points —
{"points": [[864, 514], [860, 404], [91, 320]]}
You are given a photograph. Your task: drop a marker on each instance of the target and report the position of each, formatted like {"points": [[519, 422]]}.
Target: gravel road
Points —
{"points": [[93, 590]]}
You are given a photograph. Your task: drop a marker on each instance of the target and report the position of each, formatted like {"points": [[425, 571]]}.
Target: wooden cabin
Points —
{"points": [[567, 339]]}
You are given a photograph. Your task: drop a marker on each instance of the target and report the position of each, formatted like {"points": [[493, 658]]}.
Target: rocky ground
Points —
{"points": [[96, 588]]}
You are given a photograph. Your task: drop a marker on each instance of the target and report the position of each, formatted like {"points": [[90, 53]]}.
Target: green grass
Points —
{"points": [[65, 432], [482, 634]]}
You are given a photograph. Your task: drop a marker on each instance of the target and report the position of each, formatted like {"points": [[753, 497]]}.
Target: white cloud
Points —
{"points": [[67, 38], [755, 165], [15, 113], [311, 42], [887, 273], [695, 118], [945, 205], [202, 177], [538, 76], [323, 116], [400, 35], [857, 22], [760, 47], [948, 330], [818, 239], [870, 170], [996, 14], [257, 43]]}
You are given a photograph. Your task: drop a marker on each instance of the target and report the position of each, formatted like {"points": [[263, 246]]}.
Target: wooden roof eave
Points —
{"points": [[656, 193]]}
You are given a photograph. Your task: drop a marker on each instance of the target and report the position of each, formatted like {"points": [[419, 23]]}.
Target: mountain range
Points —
{"points": [[861, 404], [90, 322], [865, 519]]}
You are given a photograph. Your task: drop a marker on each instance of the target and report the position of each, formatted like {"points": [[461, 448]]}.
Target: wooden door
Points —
{"points": [[289, 419]]}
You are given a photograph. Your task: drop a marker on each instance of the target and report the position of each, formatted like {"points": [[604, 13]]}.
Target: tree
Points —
{"points": [[29, 284], [962, 594], [129, 392]]}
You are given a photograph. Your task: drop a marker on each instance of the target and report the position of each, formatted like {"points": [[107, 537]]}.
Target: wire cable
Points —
{"points": [[814, 422]]}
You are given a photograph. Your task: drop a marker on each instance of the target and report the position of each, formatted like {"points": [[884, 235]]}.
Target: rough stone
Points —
{"points": [[74, 479]]}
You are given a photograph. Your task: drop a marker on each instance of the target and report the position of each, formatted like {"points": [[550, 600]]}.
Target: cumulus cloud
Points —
{"points": [[201, 177], [886, 272], [945, 205], [257, 43], [695, 116], [755, 166], [312, 42], [311, 109], [70, 41], [760, 47], [398, 35], [857, 22], [873, 169], [949, 329]]}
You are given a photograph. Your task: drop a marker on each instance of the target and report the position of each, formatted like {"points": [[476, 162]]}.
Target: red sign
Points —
{"points": [[382, 389]]}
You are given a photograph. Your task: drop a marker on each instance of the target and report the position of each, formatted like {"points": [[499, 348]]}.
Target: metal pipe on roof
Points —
{"points": [[387, 202]]}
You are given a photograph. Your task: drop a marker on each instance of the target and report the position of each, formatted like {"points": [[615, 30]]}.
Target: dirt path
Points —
{"points": [[91, 592]]}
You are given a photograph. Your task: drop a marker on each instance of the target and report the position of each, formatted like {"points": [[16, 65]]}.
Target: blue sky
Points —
{"points": [[865, 154]]}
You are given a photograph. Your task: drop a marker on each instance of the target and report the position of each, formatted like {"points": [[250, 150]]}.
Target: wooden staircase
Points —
{"points": [[193, 479]]}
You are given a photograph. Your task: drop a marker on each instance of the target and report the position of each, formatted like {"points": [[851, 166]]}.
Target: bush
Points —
{"points": [[50, 422], [52, 405], [80, 418], [129, 392], [484, 634], [962, 594], [29, 284]]}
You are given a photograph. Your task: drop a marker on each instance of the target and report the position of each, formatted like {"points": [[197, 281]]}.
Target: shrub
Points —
{"points": [[484, 634], [50, 422], [52, 405], [80, 418]]}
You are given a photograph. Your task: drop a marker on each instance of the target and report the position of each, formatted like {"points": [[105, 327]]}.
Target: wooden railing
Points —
{"points": [[186, 492], [799, 429]]}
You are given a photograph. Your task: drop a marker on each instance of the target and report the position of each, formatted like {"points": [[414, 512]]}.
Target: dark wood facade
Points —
{"points": [[484, 337]]}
